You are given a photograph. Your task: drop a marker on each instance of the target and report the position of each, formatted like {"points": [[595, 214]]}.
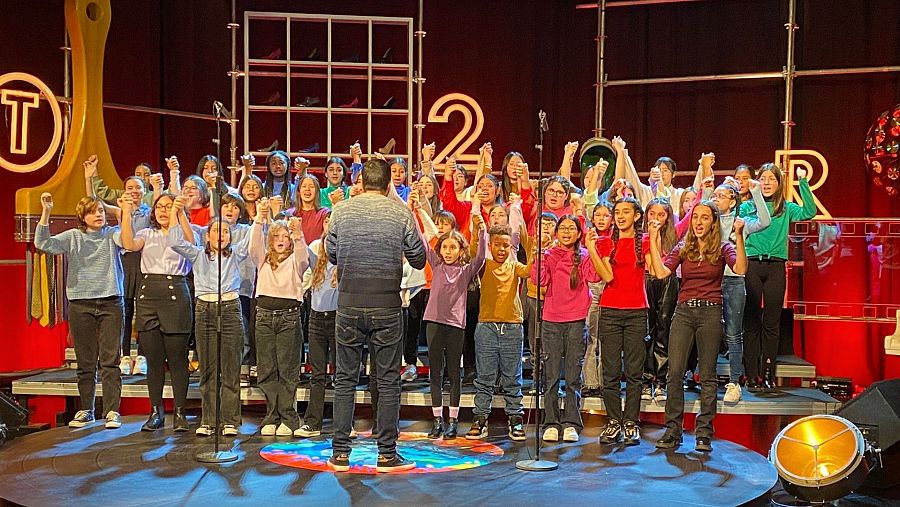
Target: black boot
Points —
{"points": [[450, 432], [156, 420], [769, 379], [437, 428], [180, 422]]}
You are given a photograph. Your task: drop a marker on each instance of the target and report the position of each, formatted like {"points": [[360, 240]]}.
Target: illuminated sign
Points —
{"points": [[21, 104], [473, 124], [815, 165]]}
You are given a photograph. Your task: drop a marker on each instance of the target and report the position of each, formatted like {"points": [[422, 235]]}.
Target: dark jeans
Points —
{"points": [[473, 298], [704, 326], [662, 295], [321, 341], [248, 315], [381, 329], [734, 296], [131, 264], [563, 340], [765, 283], [96, 326], [622, 335], [413, 326], [232, 345], [498, 347], [162, 348], [278, 364], [529, 308], [444, 340]]}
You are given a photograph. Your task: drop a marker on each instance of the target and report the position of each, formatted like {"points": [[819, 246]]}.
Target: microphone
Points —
{"points": [[542, 116], [221, 111]]}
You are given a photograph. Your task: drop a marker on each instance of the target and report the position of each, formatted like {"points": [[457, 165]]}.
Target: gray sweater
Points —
{"points": [[95, 266], [367, 239]]}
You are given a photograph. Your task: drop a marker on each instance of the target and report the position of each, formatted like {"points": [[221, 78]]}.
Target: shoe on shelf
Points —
{"points": [[313, 148], [437, 428], [306, 431], [646, 394], [180, 423], [452, 428], [354, 58], [309, 102], [268, 430], [204, 430], [388, 149], [271, 147], [668, 441], [156, 420], [388, 56], [113, 420], [125, 365], [274, 55], [732, 393], [703, 444], [272, 100], [389, 103], [631, 433], [140, 366], [284, 431], [659, 393], [339, 462], [516, 428], [570, 434], [612, 433], [352, 103], [551, 434], [478, 430], [409, 373], [395, 463], [313, 55], [229, 430]]}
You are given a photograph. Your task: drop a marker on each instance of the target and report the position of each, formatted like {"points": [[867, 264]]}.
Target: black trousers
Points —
{"points": [[765, 282], [321, 341], [473, 298], [96, 325], [622, 349], [662, 295], [444, 342], [131, 264], [413, 323]]}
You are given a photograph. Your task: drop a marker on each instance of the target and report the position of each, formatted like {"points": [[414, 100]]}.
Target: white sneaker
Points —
{"points": [[113, 420], [284, 431], [551, 435], [659, 394], [229, 430], [409, 373], [732, 393], [82, 418], [306, 432], [570, 435], [253, 371], [267, 430], [353, 434], [204, 430], [646, 395], [140, 365], [125, 365]]}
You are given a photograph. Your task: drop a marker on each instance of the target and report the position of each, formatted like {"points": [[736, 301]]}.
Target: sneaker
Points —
{"points": [[253, 371], [125, 365], [703, 444], [551, 434], [339, 462], [570, 435], [268, 430], [732, 393], [229, 430], [516, 428], [245, 380], [612, 433], [204, 430], [353, 434], [659, 394], [396, 463], [668, 441], [140, 366], [409, 373], [283, 431], [82, 419], [646, 395], [632, 433], [478, 430], [306, 431], [113, 420]]}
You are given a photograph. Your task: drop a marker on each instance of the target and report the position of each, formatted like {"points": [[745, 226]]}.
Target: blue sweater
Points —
{"points": [[95, 266], [206, 269]]}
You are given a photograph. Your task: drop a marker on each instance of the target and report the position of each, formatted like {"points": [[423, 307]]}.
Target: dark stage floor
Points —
{"points": [[128, 467]]}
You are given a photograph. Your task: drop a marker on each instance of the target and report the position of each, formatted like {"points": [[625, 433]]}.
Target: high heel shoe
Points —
{"points": [[354, 58], [437, 428], [389, 103], [388, 148], [452, 428], [352, 103], [309, 102], [272, 100], [274, 55], [156, 420], [313, 55], [180, 422], [313, 148], [271, 147], [388, 56]]}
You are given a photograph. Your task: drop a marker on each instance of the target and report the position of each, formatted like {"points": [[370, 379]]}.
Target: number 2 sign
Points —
{"points": [[473, 124]]}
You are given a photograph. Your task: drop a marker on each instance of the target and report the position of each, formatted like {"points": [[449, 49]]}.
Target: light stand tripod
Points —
{"points": [[217, 456], [536, 464]]}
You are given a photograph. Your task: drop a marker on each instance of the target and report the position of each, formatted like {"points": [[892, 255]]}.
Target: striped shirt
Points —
{"points": [[95, 266]]}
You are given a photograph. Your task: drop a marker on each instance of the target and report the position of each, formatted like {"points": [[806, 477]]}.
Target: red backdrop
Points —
{"points": [[513, 57]]}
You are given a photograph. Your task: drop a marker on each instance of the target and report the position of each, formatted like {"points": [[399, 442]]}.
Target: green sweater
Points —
{"points": [[772, 241]]}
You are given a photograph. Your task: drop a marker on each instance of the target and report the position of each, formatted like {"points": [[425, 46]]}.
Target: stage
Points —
{"points": [[126, 466]]}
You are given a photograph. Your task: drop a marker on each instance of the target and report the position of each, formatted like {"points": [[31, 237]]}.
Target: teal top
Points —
{"points": [[325, 193], [772, 241]]}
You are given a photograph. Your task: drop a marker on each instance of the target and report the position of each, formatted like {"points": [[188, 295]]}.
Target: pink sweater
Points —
{"points": [[285, 281], [563, 303]]}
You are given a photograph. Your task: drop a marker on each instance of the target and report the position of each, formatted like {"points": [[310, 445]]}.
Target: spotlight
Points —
{"points": [[821, 458]]}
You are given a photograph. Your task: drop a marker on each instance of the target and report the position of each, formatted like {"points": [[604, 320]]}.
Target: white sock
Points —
{"points": [[454, 412], [438, 411]]}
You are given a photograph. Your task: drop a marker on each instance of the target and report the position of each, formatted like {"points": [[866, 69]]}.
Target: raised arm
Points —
{"points": [[257, 246], [763, 218], [129, 242], [657, 268], [601, 265], [427, 164], [177, 242], [740, 263], [301, 255], [704, 168], [625, 169], [485, 163], [449, 200], [808, 210], [43, 241], [682, 226], [565, 168], [174, 175]]}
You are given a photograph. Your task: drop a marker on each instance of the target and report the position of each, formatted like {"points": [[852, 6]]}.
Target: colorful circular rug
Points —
{"points": [[430, 455]]}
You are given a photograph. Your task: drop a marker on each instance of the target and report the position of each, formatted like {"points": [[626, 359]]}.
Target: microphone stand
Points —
{"points": [[217, 456], [536, 464]]}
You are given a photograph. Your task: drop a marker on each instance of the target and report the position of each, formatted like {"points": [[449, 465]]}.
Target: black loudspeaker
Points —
{"points": [[876, 412], [12, 414]]}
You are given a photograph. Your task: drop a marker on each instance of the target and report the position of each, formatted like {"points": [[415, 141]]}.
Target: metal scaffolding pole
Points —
{"points": [[233, 74], [789, 74], [601, 68], [419, 80]]}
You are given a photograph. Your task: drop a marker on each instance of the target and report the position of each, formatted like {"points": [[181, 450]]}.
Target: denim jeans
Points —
{"points": [[563, 340], [321, 340], [592, 368], [232, 347], [248, 314], [704, 326], [381, 328], [622, 335], [733, 297], [96, 326], [278, 364], [498, 346]]}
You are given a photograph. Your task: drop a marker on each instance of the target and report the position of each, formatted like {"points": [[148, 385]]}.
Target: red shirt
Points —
{"points": [[200, 216], [462, 210], [626, 290], [313, 222], [700, 279]]}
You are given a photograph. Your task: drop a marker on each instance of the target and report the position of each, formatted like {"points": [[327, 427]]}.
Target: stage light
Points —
{"points": [[821, 458]]}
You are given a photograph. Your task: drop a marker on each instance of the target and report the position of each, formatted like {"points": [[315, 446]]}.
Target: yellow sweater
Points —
{"points": [[500, 291]]}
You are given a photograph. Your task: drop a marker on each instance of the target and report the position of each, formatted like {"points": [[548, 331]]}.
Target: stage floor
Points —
{"points": [[94, 466]]}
